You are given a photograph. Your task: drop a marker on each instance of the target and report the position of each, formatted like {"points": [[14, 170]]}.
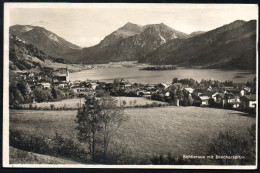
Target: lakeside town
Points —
{"points": [[48, 86], [91, 85]]}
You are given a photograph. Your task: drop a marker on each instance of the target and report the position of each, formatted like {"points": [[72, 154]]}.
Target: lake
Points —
{"points": [[133, 74]]}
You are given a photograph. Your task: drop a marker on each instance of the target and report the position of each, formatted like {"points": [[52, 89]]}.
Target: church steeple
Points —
{"points": [[67, 74]]}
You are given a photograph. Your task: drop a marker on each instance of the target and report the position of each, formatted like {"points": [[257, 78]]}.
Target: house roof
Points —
{"points": [[221, 95], [189, 89], [60, 78], [45, 83], [250, 97], [233, 90], [166, 85], [208, 93], [204, 97], [229, 96]]}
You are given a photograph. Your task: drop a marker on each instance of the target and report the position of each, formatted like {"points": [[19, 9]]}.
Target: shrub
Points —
{"points": [[52, 106], [229, 143], [57, 146]]}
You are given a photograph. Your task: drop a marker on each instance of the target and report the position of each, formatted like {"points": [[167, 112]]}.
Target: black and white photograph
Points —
{"points": [[130, 85]]}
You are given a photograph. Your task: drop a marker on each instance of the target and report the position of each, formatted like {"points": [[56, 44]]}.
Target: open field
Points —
{"points": [[68, 104], [179, 130], [136, 101], [75, 103], [23, 157]]}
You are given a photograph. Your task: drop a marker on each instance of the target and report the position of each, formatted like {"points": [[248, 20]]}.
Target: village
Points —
{"points": [[183, 92]]}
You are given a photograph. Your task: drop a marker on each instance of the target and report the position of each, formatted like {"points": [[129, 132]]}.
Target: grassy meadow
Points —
{"points": [[179, 130], [75, 103]]}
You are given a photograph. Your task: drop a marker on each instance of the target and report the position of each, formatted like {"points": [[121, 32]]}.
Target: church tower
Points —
{"points": [[67, 74]]}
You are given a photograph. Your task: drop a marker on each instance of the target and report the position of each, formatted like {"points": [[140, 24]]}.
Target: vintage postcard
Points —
{"points": [[130, 85]]}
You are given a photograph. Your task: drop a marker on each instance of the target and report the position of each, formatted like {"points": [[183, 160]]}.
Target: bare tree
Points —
{"points": [[97, 122], [111, 118], [88, 124]]}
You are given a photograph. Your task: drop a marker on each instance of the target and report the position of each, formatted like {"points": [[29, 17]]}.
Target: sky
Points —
{"points": [[87, 24]]}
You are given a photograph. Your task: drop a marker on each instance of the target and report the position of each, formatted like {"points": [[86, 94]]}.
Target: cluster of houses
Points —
{"points": [[225, 96], [242, 97]]}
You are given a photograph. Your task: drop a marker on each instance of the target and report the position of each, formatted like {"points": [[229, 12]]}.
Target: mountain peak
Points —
{"points": [[162, 24], [132, 27]]}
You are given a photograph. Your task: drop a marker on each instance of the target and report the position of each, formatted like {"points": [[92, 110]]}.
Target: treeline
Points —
{"points": [[21, 93]]}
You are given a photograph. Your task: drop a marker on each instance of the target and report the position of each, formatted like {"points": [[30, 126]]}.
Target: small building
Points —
{"points": [[124, 84], [189, 89], [164, 85], [93, 85], [82, 92], [167, 94], [45, 85], [247, 89], [229, 98], [214, 96], [61, 79], [77, 90], [204, 100], [142, 93], [248, 101], [242, 93]]}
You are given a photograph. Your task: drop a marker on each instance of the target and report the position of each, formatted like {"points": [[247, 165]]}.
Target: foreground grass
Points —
{"points": [[179, 130]]}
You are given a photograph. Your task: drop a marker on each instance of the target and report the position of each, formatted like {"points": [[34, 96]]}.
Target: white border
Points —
{"points": [[8, 6]]}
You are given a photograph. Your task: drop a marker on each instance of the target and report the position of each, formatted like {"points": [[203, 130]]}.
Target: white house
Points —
{"points": [[189, 89], [204, 100], [249, 101], [45, 85], [164, 85]]}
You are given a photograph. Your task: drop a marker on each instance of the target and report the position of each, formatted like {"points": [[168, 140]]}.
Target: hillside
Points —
{"points": [[43, 39], [24, 56], [24, 157], [129, 43], [230, 46]]}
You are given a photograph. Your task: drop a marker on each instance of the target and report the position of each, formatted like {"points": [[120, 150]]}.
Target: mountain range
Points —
{"points": [[43, 39], [229, 46], [128, 43]]}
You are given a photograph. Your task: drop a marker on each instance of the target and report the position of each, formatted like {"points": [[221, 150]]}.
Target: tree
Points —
{"points": [[88, 123], [229, 143], [57, 94], [111, 118], [135, 102], [15, 96], [130, 103], [25, 91], [175, 80], [190, 100], [42, 95], [124, 102], [97, 121], [116, 83]]}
